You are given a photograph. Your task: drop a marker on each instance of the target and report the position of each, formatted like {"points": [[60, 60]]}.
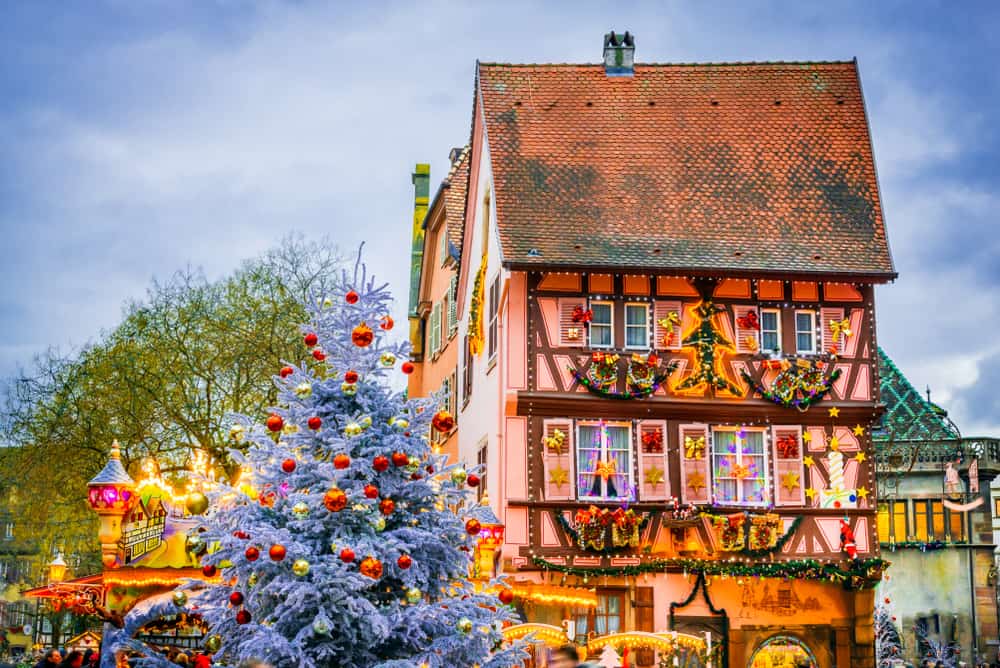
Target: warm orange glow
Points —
{"points": [[553, 636], [555, 595], [664, 642]]}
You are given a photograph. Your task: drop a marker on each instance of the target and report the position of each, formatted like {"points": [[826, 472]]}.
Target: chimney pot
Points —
{"points": [[619, 54], [455, 153]]}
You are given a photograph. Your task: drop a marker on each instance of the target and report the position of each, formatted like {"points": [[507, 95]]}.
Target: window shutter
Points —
{"points": [[667, 310], [786, 443], [571, 334], [435, 337], [558, 462], [654, 476], [695, 452], [453, 306], [644, 621], [747, 338], [827, 316]]}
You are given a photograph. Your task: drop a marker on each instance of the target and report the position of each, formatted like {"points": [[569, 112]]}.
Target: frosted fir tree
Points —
{"points": [[347, 542], [609, 658], [888, 642]]}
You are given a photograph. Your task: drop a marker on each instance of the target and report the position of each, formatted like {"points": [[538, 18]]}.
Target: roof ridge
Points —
{"points": [[732, 63], [455, 165]]}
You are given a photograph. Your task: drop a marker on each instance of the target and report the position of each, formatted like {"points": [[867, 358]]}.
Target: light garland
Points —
{"points": [[553, 636], [662, 642], [574, 597]]}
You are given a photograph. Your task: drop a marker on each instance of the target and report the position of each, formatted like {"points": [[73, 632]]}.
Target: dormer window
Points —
{"points": [[601, 325], [805, 332], [637, 326]]}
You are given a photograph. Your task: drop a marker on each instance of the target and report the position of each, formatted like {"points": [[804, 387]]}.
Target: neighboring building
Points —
{"points": [[437, 244], [938, 536], [661, 268], [19, 558]]}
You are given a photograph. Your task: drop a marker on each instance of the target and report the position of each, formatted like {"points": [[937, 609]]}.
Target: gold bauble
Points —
{"points": [[303, 390], [352, 429], [413, 595], [366, 422], [401, 423], [459, 475], [300, 567], [180, 599], [300, 510], [379, 524], [213, 644], [464, 625], [387, 360], [197, 503]]}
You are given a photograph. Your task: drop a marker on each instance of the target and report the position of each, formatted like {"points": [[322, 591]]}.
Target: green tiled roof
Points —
{"points": [[909, 416]]}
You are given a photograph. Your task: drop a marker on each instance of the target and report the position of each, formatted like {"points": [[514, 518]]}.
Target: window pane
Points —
{"points": [[899, 520], [769, 320], [956, 523], [601, 313], [769, 341], [920, 520], [635, 337], [937, 519], [883, 523], [635, 314], [600, 335], [803, 322], [804, 342]]}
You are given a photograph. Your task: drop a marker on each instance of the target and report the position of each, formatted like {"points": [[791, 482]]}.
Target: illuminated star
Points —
{"points": [[696, 481], [808, 460], [653, 475], [862, 493], [835, 444], [860, 457], [790, 481], [834, 412], [810, 493], [859, 430], [558, 476], [807, 437]]}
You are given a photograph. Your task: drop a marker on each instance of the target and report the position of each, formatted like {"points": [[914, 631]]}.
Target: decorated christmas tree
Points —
{"points": [[888, 642], [347, 542]]}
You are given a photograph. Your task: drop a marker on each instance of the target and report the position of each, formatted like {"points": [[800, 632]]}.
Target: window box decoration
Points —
{"points": [[590, 527], [729, 531], [799, 385], [643, 378], [625, 528], [764, 530]]}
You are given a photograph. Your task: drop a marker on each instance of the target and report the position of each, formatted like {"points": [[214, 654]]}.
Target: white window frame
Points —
{"points": [[443, 244], [627, 496], [610, 325], [435, 329], [811, 331], [645, 307], [777, 319], [740, 501], [492, 326]]}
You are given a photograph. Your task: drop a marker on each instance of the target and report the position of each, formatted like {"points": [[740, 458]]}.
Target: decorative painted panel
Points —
{"points": [[557, 459], [695, 478], [654, 467], [789, 477]]}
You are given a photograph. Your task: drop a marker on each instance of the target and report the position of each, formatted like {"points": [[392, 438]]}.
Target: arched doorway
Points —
{"points": [[782, 652]]}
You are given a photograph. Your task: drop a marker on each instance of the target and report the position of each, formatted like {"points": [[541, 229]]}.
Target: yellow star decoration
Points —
{"points": [[790, 481], [558, 476], [653, 475], [862, 493], [810, 492], [696, 481], [808, 460], [835, 444], [605, 469], [807, 437], [859, 430], [834, 412], [860, 457]]}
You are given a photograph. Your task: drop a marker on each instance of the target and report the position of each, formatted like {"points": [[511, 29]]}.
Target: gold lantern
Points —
{"points": [[111, 494], [490, 541]]}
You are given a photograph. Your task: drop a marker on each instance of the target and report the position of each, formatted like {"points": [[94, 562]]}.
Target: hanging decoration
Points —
{"points": [[477, 336], [748, 321], [694, 447], [556, 442], [763, 533], [709, 346], [788, 446], [589, 528], [847, 543], [581, 315], [669, 324], [652, 442], [729, 531], [643, 377], [799, 385]]}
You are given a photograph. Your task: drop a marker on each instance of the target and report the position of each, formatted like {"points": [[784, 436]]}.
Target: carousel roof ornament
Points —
{"points": [[113, 472]]}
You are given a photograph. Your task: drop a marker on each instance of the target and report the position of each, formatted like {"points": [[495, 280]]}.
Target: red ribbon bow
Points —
{"points": [[582, 315], [748, 321]]}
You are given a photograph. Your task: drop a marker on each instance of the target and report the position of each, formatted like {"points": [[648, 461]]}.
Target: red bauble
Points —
{"points": [[371, 567], [472, 527], [288, 465], [415, 476], [347, 555], [400, 459], [387, 506], [380, 463], [351, 377], [311, 339], [335, 500], [252, 553], [404, 561], [472, 480], [443, 421], [286, 371], [275, 423], [352, 297], [386, 323], [243, 617], [371, 491], [430, 469], [408, 368], [315, 422], [277, 552], [318, 355], [241, 534], [341, 461], [506, 596], [236, 598], [362, 335], [209, 570]]}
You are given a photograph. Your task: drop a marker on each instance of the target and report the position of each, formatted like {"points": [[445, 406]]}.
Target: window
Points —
{"points": [[434, 338], [606, 618], [453, 306], [604, 460], [882, 525], [485, 226], [443, 244], [996, 508], [937, 520], [956, 526], [897, 511], [770, 330], [466, 371], [805, 332], [481, 459], [8, 531], [739, 467], [637, 326], [491, 334], [601, 325], [920, 523]]}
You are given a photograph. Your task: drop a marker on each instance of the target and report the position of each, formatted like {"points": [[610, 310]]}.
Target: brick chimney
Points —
{"points": [[619, 54]]}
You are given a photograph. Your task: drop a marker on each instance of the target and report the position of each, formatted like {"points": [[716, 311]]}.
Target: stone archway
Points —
{"points": [[780, 651]]}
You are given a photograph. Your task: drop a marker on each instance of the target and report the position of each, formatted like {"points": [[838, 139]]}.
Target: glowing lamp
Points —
{"points": [[57, 569], [490, 539], [111, 494]]}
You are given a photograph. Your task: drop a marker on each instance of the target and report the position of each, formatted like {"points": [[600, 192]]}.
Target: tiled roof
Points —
{"points": [[456, 185], [908, 415], [755, 167]]}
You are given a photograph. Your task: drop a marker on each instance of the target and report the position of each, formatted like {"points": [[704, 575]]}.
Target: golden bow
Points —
{"points": [[694, 448], [556, 441], [606, 469], [838, 327], [739, 471], [668, 323]]}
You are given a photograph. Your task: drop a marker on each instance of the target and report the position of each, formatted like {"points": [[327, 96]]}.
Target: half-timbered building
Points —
{"points": [[668, 366]]}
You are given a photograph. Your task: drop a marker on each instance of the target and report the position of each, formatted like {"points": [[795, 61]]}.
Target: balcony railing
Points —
{"points": [[894, 455]]}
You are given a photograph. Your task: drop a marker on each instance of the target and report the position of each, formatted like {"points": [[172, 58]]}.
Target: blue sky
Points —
{"points": [[139, 137]]}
